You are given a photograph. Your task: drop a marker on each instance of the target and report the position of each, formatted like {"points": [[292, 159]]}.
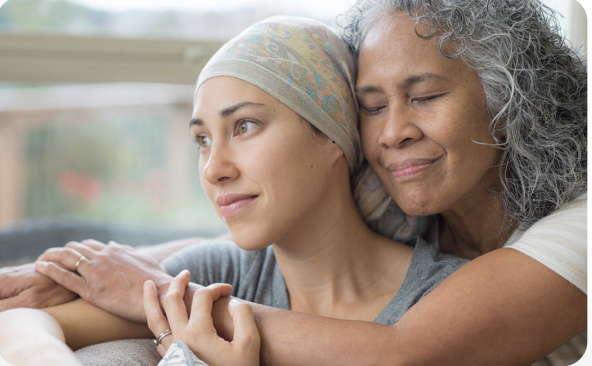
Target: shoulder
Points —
{"points": [[429, 266], [559, 241]]}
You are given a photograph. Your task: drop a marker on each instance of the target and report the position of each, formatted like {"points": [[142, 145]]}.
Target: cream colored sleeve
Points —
{"points": [[559, 241]]}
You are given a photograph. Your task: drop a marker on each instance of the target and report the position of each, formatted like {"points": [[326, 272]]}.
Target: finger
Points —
{"points": [[64, 277], [201, 308], [122, 246], [86, 250], [61, 255], [207, 296], [68, 257], [203, 337], [155, 319], [12, 303], [93, 244], [175, 308], [218, 290], [161, 350], [246, 335]]}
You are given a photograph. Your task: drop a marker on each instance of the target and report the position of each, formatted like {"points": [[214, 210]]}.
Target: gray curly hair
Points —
{"points": [[535, 86]]}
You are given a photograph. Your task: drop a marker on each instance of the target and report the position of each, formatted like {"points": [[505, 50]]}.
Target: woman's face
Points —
{"points": [[423, 120], [260, 164]]}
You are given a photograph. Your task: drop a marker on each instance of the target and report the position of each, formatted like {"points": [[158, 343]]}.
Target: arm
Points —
{"points": [[111, 276], [483, 312], [35, 337], [486, 313], [84, 324], [22, 286], [32, 337]]}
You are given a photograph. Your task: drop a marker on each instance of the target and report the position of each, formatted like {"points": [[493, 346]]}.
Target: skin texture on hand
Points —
{"points": [[197, 330], [110, 277], [23, 287]]}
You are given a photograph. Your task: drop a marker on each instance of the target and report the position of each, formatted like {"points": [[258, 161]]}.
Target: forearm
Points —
{"points": [[33, 337], [84, 324], [500, 309], [293, 338]]}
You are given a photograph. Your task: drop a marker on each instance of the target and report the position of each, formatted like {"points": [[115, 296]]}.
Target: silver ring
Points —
{"points": [[161, 336], [78, 262]]}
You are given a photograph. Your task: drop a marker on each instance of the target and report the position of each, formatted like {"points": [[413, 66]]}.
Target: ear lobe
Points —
{"points": [[335, 151]]}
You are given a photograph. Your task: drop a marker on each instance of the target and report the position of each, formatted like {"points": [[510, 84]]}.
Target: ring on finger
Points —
{"points": [[78, 262], [158, 340]]}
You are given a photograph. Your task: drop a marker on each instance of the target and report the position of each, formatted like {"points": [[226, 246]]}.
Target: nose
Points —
{"points": [[219, 166], [399, 129]]}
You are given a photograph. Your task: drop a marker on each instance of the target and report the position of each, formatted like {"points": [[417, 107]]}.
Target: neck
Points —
{"points": [[334, 263], [474, 229]]}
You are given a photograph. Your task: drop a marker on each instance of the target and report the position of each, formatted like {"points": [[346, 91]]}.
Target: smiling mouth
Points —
{"points": [[407, 170], [231, 206]]}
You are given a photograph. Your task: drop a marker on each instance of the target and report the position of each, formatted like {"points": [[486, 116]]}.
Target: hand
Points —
{"points": [[197, 330], [22, 287], [110, 276]]}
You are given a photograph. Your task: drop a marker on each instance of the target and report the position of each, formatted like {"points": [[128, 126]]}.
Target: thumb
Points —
{"points": [[246, 334]]}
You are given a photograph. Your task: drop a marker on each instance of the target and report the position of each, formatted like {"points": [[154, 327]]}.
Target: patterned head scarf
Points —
{"points": [[306, 66]]}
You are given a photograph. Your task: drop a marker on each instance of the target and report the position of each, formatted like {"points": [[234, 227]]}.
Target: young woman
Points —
{"points": [[275, 122]]}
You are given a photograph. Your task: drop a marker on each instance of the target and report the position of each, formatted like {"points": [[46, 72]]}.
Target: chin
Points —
{"points": [[248, 240], [417, 207]]}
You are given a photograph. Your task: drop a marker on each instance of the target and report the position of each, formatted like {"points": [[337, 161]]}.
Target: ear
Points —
{"points": [[334, 151]]}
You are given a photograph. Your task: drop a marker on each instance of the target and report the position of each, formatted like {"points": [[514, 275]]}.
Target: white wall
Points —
{"points": [[574, 20]]}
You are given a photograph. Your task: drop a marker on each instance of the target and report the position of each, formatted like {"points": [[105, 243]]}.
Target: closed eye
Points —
{"points": [[425, 100], [371, 110]]}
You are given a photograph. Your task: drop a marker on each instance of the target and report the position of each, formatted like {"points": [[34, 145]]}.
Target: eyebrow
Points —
{"points": [[226, 112], [413, 79]]}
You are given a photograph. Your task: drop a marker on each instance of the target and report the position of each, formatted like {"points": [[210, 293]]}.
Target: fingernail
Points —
{"points": [[183, 273], [234, 302]]}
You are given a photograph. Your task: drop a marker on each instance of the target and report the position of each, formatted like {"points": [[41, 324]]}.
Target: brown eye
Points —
{"points": [[243, 127], [203, 141]]}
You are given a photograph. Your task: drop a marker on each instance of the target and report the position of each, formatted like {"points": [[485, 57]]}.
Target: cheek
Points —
{"points": [[370, 138]]}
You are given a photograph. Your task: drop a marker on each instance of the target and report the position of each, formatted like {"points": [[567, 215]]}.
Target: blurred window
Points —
{"points": [[116, 150]]}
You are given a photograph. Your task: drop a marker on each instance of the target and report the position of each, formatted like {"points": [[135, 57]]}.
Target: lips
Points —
{"points": [[232, 203], [409, 168]]}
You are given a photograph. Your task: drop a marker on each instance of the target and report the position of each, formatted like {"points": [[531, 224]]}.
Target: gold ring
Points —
{"points": [[161, 336], [78, 262]]}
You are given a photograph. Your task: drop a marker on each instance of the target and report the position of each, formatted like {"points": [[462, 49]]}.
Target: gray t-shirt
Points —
{"points": [[255, 275]]}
